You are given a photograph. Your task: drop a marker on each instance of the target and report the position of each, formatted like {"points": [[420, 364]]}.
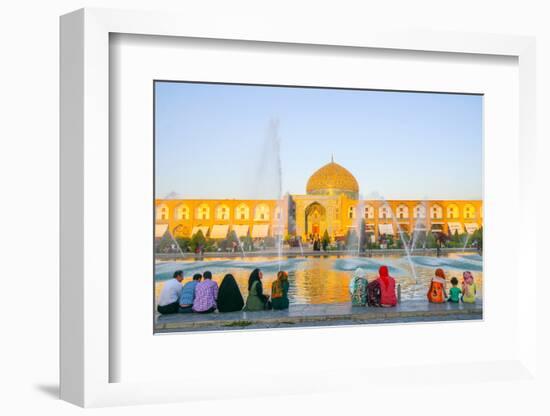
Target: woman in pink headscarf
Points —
{"points": [[468, 288], [387, 288]]}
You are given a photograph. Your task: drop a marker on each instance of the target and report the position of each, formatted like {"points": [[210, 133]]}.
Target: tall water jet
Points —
{"points": [[279, 233], [359, 216], [466, 241], [421, 215], [168, 238], [403, 241], [273, 147], [240, 244], [301, 247]]}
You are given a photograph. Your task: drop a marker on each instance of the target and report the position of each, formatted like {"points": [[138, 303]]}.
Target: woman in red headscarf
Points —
{"points": [[437, 292], [387, 288]]}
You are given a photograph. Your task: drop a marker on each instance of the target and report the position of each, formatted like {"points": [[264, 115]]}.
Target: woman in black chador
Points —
{"points": [[229, 295]]}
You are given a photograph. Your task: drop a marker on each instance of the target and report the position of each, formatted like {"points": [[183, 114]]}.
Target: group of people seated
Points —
{"points": [[381, 291], [437, 292], [202, 294]]}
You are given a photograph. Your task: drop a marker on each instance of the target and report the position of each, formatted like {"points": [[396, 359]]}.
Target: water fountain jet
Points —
{"points": [[405, 243]]}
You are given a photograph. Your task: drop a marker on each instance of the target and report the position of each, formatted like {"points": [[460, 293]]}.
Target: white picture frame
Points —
{"points": [[85, 352]]}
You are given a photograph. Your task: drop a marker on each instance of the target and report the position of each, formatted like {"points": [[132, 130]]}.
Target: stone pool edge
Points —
{"points": [[369, 314]]}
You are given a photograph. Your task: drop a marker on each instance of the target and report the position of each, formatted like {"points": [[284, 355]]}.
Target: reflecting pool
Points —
{"points": [[325, 279]]}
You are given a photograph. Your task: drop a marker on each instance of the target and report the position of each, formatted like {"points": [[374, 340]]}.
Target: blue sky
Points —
{"points": [[215, 141]]}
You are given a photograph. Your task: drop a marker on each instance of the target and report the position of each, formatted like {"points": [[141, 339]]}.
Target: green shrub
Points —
{"points": [[184, 243]]}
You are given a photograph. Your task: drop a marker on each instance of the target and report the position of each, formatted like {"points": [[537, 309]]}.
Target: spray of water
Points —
{"points": [[272, 174], [466, 241], [174, 243], [240, 245], [279, 220], [301, 247], [359, 215], [403, 241], [420, 224]]}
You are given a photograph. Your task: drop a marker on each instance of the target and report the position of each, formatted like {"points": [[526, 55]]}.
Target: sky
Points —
{"points": [[228, 141]]}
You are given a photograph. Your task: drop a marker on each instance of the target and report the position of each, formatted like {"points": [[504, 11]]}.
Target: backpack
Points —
{"points": [[435, 294], [373, 293]]}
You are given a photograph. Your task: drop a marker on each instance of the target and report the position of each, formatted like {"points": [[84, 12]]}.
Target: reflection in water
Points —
{"points": [[316, 280]]}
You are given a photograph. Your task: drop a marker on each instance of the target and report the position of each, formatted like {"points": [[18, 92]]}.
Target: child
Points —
{"points": [[455, 292], [468, 288]]}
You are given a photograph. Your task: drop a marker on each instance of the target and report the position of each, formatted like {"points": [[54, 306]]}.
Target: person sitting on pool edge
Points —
{"points": [[436, 292], [187, 296], [206, 295], [454, 292], [279, 291], [388, 297], [169, 296], [256, 300], [229, 295], [358, 287], [469, 288]]}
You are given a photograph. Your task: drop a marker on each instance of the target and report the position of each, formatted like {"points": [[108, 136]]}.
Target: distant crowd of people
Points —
{"points": [[202, 294]]}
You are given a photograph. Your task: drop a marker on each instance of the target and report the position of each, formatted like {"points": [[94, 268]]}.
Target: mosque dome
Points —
{"points": [[332, 179]]}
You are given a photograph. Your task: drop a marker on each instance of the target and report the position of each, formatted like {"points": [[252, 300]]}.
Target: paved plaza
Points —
{"points": [[319, 315]]}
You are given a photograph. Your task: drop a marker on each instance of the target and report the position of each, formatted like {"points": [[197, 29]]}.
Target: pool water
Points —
{"points": [[325, 279]]}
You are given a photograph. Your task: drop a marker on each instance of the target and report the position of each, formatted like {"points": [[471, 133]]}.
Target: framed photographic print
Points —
{"points": [[259, 231], [268, 192]]}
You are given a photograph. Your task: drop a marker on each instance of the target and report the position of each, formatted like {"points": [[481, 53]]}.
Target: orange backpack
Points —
{"points": [[435, 294]]}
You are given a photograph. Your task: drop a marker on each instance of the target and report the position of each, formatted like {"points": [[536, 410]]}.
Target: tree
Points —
{"points": [[478, 237], [183, 242], [325, 241], [164, 245], [232, 237], [198, 240], [455, 238], [430, 240]]}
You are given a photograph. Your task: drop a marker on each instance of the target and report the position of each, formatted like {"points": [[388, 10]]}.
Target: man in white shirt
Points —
{"points": [[170, 294]]}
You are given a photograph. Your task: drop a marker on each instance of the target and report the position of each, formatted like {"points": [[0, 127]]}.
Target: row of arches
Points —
{"points": [[419, 211], [182, 212]]}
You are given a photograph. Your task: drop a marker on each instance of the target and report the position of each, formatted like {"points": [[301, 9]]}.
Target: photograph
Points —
{"points": [[283, 206], [278, 206]]}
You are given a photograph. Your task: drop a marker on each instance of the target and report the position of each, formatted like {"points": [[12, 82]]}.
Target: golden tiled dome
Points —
{"points": [[332, 179]]}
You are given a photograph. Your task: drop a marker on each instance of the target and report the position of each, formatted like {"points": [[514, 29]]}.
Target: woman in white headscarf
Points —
{"points": [[358, 287]]}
